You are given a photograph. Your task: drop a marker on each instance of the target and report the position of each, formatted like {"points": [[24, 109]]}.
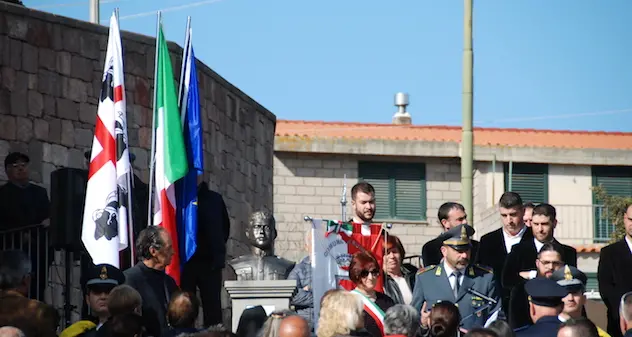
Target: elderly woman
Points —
{"points": [[364, 272], [340, 315], [400, 280]]}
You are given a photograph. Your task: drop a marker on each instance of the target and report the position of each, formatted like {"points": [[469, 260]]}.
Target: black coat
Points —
{"points": [[431, 252], [21, 207], [615, 279], [155, 288], [213, 228], [391, 289], [492, 253]]}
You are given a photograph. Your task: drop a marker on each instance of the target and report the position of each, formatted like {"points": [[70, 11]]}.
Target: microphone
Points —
{"points": [[486, 298]]}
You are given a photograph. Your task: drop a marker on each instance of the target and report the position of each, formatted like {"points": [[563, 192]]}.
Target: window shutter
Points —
{"points": [[531, 181], [377, 174], [400, 189], [617, 181], [410, 192]]}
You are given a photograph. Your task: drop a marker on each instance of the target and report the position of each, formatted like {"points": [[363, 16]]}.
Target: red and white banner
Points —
{"points": [[106, 218]]}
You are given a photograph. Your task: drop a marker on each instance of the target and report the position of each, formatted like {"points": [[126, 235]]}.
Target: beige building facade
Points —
{"points": [[415, 169]]}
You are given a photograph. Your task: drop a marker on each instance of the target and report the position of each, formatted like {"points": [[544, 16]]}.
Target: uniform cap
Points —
{"points": [[458, 237], [570, 278], [104, 274], [545, 292]]}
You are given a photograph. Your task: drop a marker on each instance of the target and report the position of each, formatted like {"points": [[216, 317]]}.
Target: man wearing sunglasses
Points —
{"points": [[469, 286]]}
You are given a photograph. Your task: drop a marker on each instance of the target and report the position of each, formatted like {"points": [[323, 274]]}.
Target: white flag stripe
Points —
{"points": [[106, 214]]}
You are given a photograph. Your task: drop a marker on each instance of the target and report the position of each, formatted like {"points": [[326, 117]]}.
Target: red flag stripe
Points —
{"points": [[118, 94], [169, 224], [109, 148]]}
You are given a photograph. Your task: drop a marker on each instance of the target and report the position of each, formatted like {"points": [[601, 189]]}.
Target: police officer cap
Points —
{"points": [[104, 274], [545, 292], [570, 278], [458, 237]]}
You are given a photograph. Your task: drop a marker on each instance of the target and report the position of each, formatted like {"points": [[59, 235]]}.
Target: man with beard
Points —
{"points": [[97, 284], [458, 281], [549, 260], [368, 236]]}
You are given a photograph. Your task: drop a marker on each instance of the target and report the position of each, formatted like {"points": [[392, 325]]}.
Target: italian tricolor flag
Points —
{"points": [[170, 155]]}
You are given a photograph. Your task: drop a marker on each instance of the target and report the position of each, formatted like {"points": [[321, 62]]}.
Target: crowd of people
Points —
{"points": [[519, 280]]}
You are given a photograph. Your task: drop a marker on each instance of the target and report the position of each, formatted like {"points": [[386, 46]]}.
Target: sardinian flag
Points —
{"points": [[106, 219]]}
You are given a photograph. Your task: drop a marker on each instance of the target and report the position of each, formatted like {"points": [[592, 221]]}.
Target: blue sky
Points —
{"points": [[563, 64]]}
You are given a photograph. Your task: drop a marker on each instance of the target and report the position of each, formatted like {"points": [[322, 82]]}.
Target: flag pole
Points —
{"points": [[130, 179], [185, 54], [152, 155]]}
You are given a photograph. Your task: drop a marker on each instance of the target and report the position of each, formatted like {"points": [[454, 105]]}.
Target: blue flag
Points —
{"points": [[192, 128]]}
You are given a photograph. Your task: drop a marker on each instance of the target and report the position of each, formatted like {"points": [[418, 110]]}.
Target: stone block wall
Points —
{"points": [[311, 185], [51, 72]]}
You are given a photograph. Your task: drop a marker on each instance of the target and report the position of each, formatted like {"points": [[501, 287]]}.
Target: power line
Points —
{"points": [[73, 4], [563, 116], [168, 9]]}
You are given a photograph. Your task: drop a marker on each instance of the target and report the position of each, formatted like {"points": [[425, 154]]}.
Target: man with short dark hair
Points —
{"points": [[521, 262], [578, 327], [450, 214], [34, 318], [613, 273], [148, 277], [528, 213], [496, 245], [368, 235]]}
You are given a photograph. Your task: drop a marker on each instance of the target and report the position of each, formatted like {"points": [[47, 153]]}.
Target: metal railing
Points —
{"points": [[577, 224], [33, 240]]}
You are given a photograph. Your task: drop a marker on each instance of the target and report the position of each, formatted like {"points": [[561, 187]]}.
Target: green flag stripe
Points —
{"points": [[174, 155]]}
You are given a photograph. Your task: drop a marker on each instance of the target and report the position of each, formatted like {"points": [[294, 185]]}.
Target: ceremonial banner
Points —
{"points": [[170, 155], [187, 187], [333, 246], [107, 209]]}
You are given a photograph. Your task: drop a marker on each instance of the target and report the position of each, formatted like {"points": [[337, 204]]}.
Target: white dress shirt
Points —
{"points": [[510, 240], [448, 271], [629, 242]]}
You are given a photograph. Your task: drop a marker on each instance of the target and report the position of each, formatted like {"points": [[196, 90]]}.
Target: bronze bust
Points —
{"points": [[262, 264]]}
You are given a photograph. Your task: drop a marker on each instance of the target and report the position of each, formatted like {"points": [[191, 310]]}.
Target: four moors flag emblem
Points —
{"points": [[106, 217]]}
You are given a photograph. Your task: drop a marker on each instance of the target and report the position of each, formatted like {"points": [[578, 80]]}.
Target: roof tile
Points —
{"points": [[482, 136]]}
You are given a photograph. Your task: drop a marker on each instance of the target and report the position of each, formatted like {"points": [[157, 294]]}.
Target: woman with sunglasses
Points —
{"points": [[364, 272]]}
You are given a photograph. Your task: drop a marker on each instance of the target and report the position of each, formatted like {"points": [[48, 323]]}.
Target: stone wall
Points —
{"points": [[311, 185], [51, 69]]}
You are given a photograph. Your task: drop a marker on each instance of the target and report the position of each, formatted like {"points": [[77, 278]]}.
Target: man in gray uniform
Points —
{"points": [[471, 287]]}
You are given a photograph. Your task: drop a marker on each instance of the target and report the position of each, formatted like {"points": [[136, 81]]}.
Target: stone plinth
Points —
{"points": [[271, 294]]}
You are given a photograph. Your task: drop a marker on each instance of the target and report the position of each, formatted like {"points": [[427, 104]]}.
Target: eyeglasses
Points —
{"points": [[19, 165], [366, 273], [552, 263]]}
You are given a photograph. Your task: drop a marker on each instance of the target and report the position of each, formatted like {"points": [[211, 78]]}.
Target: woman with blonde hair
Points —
{"points": [[341, 314]]}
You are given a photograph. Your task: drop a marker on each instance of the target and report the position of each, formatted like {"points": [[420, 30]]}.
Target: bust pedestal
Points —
{"points": [[271, 294]]}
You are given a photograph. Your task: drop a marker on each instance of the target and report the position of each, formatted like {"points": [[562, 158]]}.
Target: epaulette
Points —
{"points": [[484, 268], [78, 328], [425, 269]]}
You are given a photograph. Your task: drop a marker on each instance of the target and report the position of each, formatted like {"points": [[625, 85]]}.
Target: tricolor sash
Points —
{"points": [[373, 310]]}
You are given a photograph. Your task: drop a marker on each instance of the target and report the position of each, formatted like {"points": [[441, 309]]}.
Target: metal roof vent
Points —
{"points": [[401, 117]]}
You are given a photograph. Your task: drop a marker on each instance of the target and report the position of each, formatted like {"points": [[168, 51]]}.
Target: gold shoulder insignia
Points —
{"points": [[425, 269], [484, 268]]}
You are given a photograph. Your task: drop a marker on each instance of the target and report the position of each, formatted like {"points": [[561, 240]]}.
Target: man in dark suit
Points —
{"points": [[613, 273], [204, 269], [450, 214], [496, 245], [549, 260], [521, 262]]}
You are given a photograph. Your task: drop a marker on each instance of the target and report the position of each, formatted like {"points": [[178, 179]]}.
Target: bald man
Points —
{"points": [[9, 331], [294, 326]]}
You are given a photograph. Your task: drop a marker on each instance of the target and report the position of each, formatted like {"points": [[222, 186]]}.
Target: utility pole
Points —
{"points": [[467, 137], [94, 11]]}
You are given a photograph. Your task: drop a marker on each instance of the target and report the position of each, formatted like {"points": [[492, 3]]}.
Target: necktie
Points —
{"points": [[456, 287]]}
